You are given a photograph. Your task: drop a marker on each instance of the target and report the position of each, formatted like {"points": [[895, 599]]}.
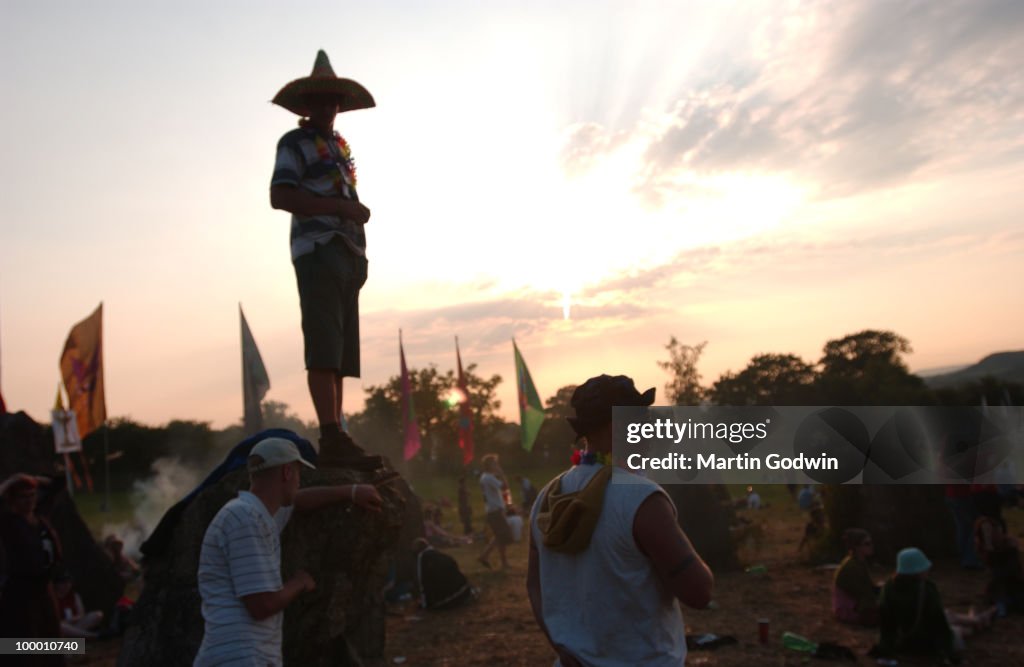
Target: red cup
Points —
{"points": [[762, 630]]}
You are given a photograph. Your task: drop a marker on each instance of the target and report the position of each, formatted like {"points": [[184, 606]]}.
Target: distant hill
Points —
{"points": [[1006, 366], [941, 370]]}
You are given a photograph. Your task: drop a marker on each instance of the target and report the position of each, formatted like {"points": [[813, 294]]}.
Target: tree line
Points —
{"points": [[865, 368]]}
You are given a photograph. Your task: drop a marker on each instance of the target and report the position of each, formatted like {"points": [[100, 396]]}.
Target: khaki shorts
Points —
{"points": [[329, 279]]}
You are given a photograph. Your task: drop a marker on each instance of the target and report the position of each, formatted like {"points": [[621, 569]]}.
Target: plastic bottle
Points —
{"points": [[796, 642]]}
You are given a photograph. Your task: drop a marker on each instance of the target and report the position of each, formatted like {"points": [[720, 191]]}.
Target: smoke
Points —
{"points": [[151, 498]]}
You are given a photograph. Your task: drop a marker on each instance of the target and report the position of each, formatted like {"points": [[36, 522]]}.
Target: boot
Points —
{"points": [[341, 451]]}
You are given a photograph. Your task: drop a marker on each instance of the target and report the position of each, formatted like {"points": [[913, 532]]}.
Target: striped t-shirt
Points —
{"points": [[241, 555], [308, 159]]}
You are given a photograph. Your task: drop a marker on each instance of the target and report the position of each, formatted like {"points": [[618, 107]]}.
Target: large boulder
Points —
{"points": [[706, 516], [897, 516], [347, 551], [26, 447]]}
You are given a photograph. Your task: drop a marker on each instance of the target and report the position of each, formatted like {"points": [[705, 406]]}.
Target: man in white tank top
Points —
{"points": [[611, 598]]}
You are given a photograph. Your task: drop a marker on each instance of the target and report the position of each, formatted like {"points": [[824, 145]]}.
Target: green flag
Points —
{"points": [[531, 412]]}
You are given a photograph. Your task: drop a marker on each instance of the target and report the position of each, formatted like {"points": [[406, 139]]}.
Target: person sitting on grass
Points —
{"points": [[854, 594], [912, 617], [1000, 553], [74, 620], [126, 568], [435, 532]]}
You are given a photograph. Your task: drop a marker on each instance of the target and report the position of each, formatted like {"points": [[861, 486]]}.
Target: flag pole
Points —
{"points": [[67, 476], [105, 507]]}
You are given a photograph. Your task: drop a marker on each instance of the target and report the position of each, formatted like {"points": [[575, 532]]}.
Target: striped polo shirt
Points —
{"points": [[241, 555], [308, 159]]}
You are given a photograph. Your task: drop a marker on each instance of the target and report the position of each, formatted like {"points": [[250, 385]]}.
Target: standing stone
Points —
{"points": [[897, 516], [345, 549], [706, 516]]}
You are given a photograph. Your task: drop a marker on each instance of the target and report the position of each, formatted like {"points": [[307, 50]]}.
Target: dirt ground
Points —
{"points": [[499, 629], [793, 595]]}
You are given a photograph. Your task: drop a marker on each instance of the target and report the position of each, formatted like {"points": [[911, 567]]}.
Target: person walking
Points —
{"points": [[494, 486]]}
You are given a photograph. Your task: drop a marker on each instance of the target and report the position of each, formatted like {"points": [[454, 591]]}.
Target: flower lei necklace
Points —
{"points": [[346, 158], [346, 174], [590, 458]]}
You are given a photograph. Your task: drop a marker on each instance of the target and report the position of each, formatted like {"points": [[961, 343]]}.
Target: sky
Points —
{"points": [[589, 178]]}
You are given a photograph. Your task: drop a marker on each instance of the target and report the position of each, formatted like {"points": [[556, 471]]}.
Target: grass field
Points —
{"points": [[499, 629], [433, 489]]}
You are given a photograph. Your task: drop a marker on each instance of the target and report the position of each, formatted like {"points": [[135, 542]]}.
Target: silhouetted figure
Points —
{"points": [[854, 594], [31, 552], [315, 180], [1000, 552]]}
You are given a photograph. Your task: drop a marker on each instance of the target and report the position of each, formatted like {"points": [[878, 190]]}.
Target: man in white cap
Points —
{"points": [[240, 563]]}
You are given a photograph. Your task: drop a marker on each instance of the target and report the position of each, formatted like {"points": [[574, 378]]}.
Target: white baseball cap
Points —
{"points": [[276, 452]]}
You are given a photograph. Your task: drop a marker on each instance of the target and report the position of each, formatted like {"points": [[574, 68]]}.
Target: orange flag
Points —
{"points": [[81, 365]]}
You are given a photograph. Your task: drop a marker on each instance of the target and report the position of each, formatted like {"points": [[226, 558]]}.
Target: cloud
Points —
{"points": [[712, 269], [586, 143], [491, 323], [847, 97], [693, 260]]}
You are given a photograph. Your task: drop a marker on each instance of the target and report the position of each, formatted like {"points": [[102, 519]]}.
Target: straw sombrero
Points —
{"points": [[323, 81]]}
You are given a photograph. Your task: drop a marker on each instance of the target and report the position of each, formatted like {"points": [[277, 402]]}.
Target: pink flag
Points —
{"points": [[412, 429]]}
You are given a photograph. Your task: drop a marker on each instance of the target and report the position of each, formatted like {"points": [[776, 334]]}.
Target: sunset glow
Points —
{"points": [[590, 179]]}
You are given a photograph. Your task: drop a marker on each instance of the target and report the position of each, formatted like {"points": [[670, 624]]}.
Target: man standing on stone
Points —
{"points": [[240, 562], [606, 577], [315, 180]]}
